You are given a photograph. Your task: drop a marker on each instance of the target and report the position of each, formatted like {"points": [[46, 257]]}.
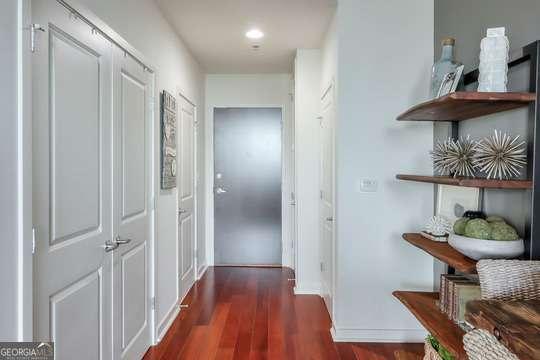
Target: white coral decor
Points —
{"points": [[500, 156], [438, 226]]}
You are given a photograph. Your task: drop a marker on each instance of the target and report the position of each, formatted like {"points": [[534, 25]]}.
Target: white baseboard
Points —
{"points": [[378, 335], [307, 289], [166, 323], [201, 270]]}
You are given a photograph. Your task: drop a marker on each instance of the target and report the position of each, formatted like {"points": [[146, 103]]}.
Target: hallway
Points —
{"points": [[252, 313]]}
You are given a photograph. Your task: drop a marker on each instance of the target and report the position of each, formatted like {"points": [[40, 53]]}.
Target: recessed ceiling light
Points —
{"points": [[254, 34]]}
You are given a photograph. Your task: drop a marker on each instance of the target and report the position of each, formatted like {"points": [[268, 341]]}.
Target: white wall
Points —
{"points": [[249, 91], [8, 163], [147, 30], [385, 51], [307, 81]]}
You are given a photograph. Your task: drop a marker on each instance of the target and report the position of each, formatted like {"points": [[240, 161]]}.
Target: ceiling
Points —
{"points": [[214, 31]]}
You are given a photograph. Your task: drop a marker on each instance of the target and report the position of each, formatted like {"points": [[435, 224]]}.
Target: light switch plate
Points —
{"points": [[367, 185]]}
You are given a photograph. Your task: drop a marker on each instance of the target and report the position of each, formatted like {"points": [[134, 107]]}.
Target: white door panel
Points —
{"points": [[131, 214], [91, 181], [186, 198], [72, 186], [326, 209]]}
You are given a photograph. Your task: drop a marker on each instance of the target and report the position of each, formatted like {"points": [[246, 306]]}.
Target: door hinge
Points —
{"points": [[153, 303], [33, 240], [33, 29]]}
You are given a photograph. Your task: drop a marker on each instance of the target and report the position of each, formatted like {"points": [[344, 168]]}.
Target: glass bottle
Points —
{"points": [[443, 66]]}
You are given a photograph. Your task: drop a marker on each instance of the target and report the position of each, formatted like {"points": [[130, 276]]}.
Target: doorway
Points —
{"points": [[247, 186]]}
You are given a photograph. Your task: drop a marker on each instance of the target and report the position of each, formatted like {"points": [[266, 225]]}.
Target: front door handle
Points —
{"points": [[330, 219], [181, 211], [220, 190], [121, 241]]}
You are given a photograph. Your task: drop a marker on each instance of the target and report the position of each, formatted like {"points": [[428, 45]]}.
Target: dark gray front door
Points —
{"points": [[247, 186]]}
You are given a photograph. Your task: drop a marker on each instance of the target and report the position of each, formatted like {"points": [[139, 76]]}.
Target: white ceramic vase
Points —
{"points": [[493, 67]]}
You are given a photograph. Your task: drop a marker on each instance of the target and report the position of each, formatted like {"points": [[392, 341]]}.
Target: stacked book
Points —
{"points": [[455, 292]]}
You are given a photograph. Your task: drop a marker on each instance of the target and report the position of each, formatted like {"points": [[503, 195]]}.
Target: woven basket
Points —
{"points": [[429, 352], [509, 279], [481, 345]]}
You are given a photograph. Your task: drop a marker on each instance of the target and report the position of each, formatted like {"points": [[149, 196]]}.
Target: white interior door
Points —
{"points": [[72, 184], [133, 113], [326, 212], [186, 196]]}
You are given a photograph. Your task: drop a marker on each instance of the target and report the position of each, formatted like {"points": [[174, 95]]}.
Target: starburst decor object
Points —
{"points": [[461, 157], [440, 156], [501, 156], [438, 226]]}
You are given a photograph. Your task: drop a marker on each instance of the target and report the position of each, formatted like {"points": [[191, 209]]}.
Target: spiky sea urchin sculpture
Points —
{"points": [[500, 156], [461, 156], [438, 226], [440, 156]]}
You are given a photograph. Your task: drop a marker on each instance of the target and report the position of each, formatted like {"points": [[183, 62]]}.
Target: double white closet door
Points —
{"points": [[92, 111]]}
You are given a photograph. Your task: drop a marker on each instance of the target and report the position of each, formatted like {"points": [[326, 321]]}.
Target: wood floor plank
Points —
{"points": [[252, 313]]}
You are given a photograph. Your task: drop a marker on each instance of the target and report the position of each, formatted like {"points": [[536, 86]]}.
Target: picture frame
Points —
{"points": [[168, 141], [450, 81], [453, 201]]}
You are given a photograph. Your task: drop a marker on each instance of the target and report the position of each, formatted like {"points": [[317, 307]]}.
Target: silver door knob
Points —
{"points": [[111, 245], [330, 219], [220, 190], [121, 241]]}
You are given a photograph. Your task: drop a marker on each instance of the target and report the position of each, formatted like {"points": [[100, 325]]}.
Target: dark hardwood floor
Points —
{"points": [[252, 313]]}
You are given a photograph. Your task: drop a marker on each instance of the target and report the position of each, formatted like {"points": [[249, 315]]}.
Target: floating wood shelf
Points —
{"points": [[424, 307], [469, 182], [443, 252], [407, 355], [465, 105]]}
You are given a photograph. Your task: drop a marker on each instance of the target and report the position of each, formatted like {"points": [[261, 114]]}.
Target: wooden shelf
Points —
{"points": [[423, 306], [465, 105], [407, 355], [443, 252], [469, 182]]}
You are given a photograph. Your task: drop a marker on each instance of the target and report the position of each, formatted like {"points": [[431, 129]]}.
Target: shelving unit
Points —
{"points": [[424, 307], [454, 108], [469, 182], [466, 105], [443, 252]]}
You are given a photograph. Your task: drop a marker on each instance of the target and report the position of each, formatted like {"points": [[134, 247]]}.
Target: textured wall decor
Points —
{"points": [[168, 141]]}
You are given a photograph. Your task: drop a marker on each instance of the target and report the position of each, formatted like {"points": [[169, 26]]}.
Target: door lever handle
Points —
{"points": [[121, 241], [220, 190], [181, 211], [110, 246], [330, 219]]}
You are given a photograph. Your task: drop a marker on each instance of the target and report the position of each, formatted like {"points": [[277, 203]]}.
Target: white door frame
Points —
{"points": [[25, 241], [286, 145]]}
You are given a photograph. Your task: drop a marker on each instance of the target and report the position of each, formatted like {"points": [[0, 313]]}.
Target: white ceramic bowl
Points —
{"points": [[486, 249]]}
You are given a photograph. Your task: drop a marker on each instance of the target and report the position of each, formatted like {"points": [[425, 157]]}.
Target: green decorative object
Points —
{"points": [[503, 232], [478, 228], [459, 226], [495, 219]]}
